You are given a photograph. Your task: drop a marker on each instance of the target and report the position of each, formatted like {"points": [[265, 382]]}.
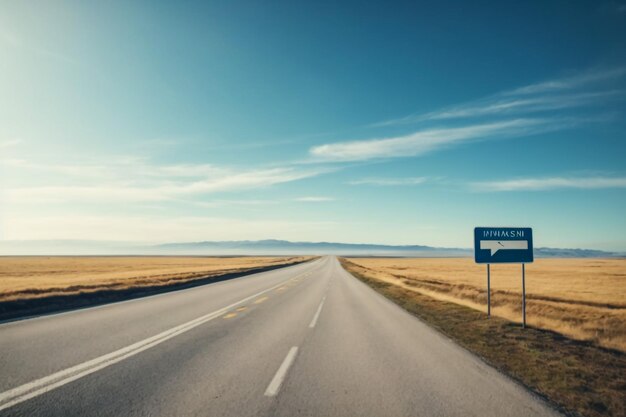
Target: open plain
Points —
{"points": [[584, 299], [27, 277]]}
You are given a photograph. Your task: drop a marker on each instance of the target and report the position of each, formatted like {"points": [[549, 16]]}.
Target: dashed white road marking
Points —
{"points": [[317, 314], [274, 386]]}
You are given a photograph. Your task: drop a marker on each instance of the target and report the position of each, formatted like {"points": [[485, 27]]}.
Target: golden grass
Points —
{"points": [[584, 299], [37, 277]]}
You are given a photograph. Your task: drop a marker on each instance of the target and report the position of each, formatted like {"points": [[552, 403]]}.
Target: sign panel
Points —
{"points": [[497, 245]]}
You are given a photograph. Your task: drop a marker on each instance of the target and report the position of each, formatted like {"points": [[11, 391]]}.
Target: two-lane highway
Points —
{"points": [[304, 340]]}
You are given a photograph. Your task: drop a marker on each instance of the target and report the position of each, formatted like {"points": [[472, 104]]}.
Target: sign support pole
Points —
{"points": [[524, 295], [504, 245], [488, 290]]}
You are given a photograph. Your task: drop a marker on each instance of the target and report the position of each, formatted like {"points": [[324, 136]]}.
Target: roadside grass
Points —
{"points": [[578, 377], [582, 299], [23, 277], [39, 285]]}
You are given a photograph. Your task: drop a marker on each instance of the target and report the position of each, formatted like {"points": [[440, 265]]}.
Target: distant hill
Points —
{"points": [[573, 253], [260, 247], [273, 246]]}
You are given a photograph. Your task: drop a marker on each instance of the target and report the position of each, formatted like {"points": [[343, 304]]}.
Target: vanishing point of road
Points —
{"points": [[306, 340]]}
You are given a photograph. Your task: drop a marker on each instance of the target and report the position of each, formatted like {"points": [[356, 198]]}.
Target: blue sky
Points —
{"points": [[397, 123]]}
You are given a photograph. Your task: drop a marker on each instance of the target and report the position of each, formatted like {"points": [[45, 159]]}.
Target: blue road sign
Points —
{"points": [[498, 245]]}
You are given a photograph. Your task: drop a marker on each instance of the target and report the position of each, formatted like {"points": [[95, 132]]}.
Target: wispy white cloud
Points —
{"points": [[241, 203], [87, 194], [549, 183], [508, 106], [314, 199], [250, 179], [507, 114], [389, 181], [425, 141], [157, 228], [582, 90], [575, 81], [135, 180], [116, 167], [257, 144]]}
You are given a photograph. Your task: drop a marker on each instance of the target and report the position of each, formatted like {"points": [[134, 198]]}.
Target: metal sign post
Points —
{"points": [[488, 291], [500, 245], [524, 295]]}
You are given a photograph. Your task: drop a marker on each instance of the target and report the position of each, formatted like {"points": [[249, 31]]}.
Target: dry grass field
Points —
{"points": [[37, 277], [584, 299]]}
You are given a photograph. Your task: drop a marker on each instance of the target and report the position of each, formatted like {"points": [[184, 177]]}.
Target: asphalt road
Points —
{"points": [[307, 340]]}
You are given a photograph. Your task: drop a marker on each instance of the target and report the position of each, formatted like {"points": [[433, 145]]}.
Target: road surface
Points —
{"points": [[307, 340]]}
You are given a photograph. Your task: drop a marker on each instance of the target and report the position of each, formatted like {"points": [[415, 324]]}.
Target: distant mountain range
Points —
{"points": [[272, 246], [261, 247]]}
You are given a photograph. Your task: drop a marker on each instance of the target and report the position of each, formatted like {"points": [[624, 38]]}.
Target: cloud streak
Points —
{"points": [[159, 229], [389, 182], [507, 114], [568, 83], [588, 89], [314, 199], [549, 183], [120, 167], [149, 183], [525, 105], [425, 141]]}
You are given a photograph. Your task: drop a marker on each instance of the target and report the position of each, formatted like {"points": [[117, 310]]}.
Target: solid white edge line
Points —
{"points": [[274, 386], [42, 385], [317, 314]]}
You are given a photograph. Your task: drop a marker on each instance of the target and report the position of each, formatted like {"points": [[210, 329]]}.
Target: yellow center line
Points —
{"points": [[230, 315], [260, 300], [241, 308]]}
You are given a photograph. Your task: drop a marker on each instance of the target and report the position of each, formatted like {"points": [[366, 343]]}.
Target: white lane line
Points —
{"points": [[317, 314], [274, 386], [40, 386]]}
